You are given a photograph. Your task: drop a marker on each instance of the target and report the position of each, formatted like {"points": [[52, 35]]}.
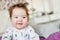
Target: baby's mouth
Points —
{"points": [[20, 23]]}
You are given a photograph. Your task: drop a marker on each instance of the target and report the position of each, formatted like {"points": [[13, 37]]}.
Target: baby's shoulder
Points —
{"points": [[30, 29], [9, 29]]}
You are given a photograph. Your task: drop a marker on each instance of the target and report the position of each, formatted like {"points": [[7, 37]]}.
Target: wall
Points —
{"points": [[4, 21], [48, 24]]}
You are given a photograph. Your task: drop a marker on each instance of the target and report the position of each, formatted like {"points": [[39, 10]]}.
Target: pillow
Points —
{"points": [[54, 36]]}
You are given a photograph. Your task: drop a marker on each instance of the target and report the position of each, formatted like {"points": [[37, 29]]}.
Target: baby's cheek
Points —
{"points": [[26, 23], [14, 23]]}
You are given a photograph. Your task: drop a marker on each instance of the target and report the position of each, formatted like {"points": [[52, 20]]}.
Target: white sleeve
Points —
{"points": [[7, 35], [33, 35]]}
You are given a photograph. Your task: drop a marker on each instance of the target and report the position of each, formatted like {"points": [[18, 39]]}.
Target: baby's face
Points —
{"points": [[19, 18]]}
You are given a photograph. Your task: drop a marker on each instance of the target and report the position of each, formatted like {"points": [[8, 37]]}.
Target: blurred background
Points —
{"points": [[44, 15]]}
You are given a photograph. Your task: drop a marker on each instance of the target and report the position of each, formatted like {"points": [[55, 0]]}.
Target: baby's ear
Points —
{"points": [[26, 3]]}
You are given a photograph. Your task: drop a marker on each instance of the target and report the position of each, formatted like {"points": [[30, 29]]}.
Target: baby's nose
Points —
{"points": [[20, 19]]}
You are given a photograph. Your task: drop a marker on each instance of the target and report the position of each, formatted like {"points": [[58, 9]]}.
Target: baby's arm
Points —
{"points": [[33, 35], [7, 35]]}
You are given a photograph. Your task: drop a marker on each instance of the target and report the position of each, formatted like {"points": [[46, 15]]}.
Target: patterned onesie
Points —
{"points": [[27, 33]]}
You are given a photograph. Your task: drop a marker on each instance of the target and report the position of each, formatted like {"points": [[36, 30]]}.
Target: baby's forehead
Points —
{"points": [[19, 11], [19, 8], [19, 15]]}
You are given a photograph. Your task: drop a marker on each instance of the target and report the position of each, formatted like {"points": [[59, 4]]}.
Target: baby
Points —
{"points": [[20, 30]]}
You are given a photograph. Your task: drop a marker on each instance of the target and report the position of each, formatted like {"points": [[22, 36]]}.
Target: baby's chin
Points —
{"points": [[20, 26]]}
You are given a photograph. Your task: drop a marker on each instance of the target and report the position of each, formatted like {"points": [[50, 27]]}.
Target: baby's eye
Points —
{"points": [[16, 17], [24, 17]]}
